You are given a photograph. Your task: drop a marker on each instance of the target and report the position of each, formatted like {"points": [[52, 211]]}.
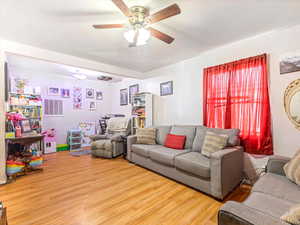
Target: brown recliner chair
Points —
{"points": [[112, 143]]}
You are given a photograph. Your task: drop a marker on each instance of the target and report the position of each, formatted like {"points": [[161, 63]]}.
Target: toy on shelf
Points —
{"points": [[49, 141]]}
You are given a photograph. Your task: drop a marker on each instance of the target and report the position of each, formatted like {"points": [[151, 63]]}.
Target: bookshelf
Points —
{"points": [[141, 111], [29, 105]]}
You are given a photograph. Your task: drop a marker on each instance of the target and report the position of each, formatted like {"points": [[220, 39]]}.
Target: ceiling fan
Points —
{"points": [[138, 31]]}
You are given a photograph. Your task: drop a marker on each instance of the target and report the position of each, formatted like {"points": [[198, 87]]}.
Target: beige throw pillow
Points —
{"points": [[213, 143], [292, 216], [146, 136], [292, 168]]}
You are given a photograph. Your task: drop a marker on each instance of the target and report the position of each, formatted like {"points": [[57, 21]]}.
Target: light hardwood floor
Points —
{"points": [[89, 191]]}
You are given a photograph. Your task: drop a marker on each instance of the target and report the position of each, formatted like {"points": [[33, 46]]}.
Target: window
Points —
{"points": [[53, 107], [236, 96]]}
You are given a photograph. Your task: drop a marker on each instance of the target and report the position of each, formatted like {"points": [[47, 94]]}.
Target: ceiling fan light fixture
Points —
{"points": [[143, 36]]}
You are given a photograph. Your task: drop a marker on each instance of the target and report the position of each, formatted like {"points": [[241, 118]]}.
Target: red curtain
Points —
{"points": [[236, 96]]}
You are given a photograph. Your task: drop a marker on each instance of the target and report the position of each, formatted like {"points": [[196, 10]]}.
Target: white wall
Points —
{"points": [[185, 106], [71, 117], [116, 87]]}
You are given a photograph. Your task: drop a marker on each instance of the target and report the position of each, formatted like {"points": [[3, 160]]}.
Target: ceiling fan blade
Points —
{"points": [[108, 26], [161, 36], [165, 13], [122, 6]]}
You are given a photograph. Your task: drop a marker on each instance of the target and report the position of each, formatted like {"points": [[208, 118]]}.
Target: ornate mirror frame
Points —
{"points": [[289, 93]]}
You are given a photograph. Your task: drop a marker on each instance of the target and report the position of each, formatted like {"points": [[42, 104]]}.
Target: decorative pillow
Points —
{"points": [[213, 142], [175, 141], [292, 168], [146, 136], [292, 216]]}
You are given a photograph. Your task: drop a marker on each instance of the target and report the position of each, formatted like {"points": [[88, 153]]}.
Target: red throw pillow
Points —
{"points": [[175, 141]]}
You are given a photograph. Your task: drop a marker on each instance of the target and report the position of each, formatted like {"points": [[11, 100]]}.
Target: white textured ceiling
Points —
{"points": [[66, 26], [21, 65]]}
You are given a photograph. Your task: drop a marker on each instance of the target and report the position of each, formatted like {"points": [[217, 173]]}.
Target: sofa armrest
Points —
{"points": [[130, 141], [98, 137], [275, 164], [226, 168], [235, 213]]}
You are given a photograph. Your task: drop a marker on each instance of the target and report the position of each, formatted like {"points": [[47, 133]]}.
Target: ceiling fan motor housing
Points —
{"points": [[139, 16]]}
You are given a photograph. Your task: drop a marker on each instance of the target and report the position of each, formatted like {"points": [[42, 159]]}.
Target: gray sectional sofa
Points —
{"points": [[216, 176], [271, 197]]}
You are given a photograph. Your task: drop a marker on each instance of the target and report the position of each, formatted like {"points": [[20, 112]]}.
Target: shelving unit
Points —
{"points": [[74, 139], [29, 105], [141, 111]]}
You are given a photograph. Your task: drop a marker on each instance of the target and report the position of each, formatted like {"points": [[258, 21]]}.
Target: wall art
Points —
{"points": [[166, 88], [90, 93], [290, 63], [77, 98], [124, 96], [99, 95], [65, 93], [133, 89]]}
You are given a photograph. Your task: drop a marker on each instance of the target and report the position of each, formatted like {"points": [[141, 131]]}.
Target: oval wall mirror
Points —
{"points": [[292, 102]]}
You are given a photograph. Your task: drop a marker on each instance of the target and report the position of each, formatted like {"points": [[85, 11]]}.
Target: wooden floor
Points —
{"points": [[89, 191]]}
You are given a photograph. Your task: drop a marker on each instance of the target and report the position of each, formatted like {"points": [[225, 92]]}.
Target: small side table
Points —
{"points": [[26, 141]]}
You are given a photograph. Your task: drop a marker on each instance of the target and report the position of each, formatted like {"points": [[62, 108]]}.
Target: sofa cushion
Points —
{"points": [[292, 216], [175, 141], [278, 186], [146, 136], [199, 138], [233, 135], [292, 168], [268, 204], [143, 150], [213, 143], [165, 155], [188, 131], [161, 133], [194, 163]]}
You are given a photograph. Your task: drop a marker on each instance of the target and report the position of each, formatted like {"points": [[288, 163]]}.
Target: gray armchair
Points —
{"points": [[111, 144], [271, 197]]}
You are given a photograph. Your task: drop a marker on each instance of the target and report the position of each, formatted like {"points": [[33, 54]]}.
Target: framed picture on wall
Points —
{"points": [[65, 93], [53, 91], [99, 95], [90, 93], [290, 63], [133, 89], [124, 96], [92, 106], [77, 98], [166, 88]]}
